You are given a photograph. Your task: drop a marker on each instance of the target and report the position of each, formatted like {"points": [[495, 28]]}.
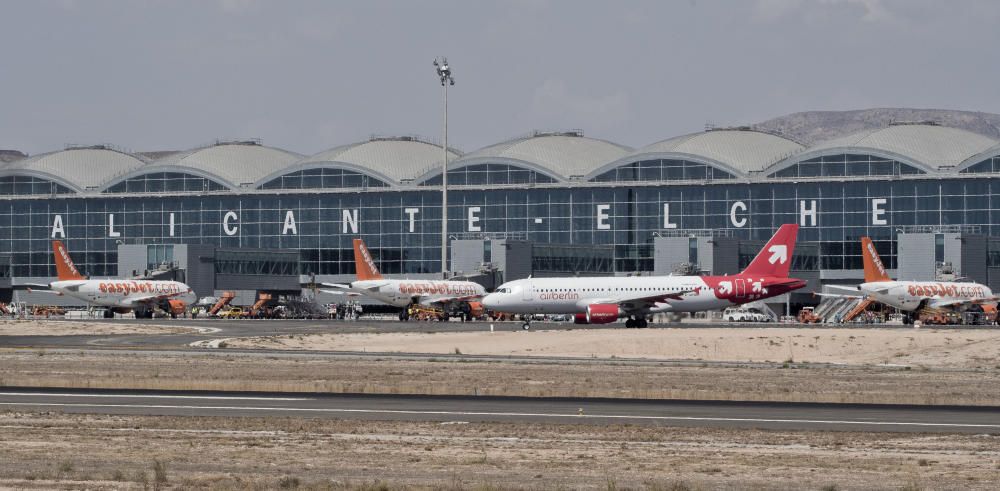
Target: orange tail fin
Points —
{"points": [[363, 262], [874, 268], [64, 265], [775, 259]]}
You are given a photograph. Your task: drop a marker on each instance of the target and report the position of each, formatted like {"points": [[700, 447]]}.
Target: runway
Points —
{"points": [[458, 409]]}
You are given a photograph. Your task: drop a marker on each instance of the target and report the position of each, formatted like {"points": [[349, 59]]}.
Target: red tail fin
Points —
{"points": [[775, 259], [64, 265], [363, 262], [874, 268]]}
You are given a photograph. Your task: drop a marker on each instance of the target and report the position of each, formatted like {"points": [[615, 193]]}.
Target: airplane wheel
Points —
{"points": [[642, 323], [629, 323], [526, 326]]}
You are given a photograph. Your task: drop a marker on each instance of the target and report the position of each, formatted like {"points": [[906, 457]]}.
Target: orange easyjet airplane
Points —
{"points": [[116, 295], [403, 293], [914, 296]]}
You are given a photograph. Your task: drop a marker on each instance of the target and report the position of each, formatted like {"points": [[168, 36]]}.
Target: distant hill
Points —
{"points": [[816, 126]]}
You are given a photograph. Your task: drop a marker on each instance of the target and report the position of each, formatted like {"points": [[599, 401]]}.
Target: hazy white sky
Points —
{"points": [[307, 76]]}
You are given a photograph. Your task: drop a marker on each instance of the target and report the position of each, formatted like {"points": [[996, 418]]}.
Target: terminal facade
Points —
{"points": [[709, 198]]}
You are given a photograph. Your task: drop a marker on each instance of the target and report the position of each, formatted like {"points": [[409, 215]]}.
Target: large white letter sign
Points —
{"points": [[57, 227], [602, 217], [289, 224], [227, 227], [737, 221], [413, 214], [350, 219], [111, 226], [666, 217], [878, 211], [807, 213], [474, 219]]}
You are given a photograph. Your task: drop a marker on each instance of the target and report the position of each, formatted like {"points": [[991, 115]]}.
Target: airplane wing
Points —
{"points": [[336, 285], [642, 303], [131, 302], [34, 286], [45, 290], [444, 300], [938, 303], [342, 292], [836, 295]]}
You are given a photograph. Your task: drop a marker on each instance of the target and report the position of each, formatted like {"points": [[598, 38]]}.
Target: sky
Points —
{"points": [[307, 76]]}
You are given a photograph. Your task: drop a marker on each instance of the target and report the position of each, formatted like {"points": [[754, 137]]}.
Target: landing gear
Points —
{"points": [[633, 322], [527, 322], [109, 314]]}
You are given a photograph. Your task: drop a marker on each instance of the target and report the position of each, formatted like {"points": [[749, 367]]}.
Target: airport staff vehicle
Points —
{"points": [[745, 314], [602, 300], [916, 297], [116, 295], [450, 296]]}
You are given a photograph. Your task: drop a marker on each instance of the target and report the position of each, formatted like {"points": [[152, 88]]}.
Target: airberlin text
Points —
{"points": [[285, 222]]}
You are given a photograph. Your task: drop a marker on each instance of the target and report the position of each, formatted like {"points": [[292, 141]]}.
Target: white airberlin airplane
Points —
{"points": [[404, 293], [116, 295], [602, 300], [914, 296]]}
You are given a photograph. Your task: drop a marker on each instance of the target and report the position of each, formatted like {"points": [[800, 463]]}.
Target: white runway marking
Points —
{"points": [[139, 396], [512, 414]]}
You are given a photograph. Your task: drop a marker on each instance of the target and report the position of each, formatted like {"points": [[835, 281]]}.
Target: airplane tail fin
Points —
{"points": [[363, 262], [65, 268], [775, 259], [874, 268]]}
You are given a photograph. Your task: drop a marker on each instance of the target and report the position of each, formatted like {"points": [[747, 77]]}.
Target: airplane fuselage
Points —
{"points": [[122, 293], [401, 293], [908, 295], [690, 293]]}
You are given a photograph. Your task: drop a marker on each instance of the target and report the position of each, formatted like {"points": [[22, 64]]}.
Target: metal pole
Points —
{"points": [[444, 73], [444, 191]]}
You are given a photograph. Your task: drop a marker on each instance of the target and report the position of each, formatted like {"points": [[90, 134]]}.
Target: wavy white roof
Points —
{"points": [[928, 146], [230, 163], [389, 159], [76, 168], [736, 151], [560, 156]]}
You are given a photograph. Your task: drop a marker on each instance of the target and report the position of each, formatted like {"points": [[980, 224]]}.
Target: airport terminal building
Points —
{"points": [[545, 203]]}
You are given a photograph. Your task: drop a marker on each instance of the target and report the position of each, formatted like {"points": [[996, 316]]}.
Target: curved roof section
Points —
{"points": [[79, 169], [558, 155], [390, 159], [737, 151], [229, 163], [989, 153], [927, 147]]}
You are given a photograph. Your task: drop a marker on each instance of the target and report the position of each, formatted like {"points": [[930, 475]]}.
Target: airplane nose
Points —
{"points": [[491, 301]]}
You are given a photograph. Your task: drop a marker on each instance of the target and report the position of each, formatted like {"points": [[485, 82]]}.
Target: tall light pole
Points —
{"points": [[444, 73]]}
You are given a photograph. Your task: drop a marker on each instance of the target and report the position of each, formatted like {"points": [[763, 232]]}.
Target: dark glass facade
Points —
{"points": [[165, 182], [662, 170], [489, 174], [28, 185], [847, 165], [402, 226], [323, 178]]}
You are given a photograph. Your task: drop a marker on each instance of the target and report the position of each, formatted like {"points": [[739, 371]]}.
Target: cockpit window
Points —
{"points": [[503, 290]]}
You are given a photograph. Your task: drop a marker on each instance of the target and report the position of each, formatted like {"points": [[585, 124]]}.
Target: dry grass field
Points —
{"points": [[59, 451]]}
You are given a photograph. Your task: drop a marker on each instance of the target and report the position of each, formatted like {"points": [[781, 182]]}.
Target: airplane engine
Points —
{"points": [[602, 314], [177, 307], [580, 319]]}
